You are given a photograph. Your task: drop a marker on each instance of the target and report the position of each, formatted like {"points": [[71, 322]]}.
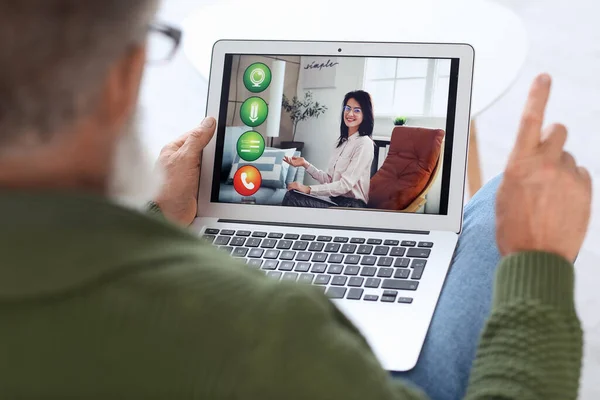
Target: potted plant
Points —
{"points": [[400, 121], [301, 110]]}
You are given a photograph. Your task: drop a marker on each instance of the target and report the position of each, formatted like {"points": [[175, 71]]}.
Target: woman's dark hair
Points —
{"points": [[366, 127]]}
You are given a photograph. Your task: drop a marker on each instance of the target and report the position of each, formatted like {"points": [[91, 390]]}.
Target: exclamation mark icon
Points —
{"points": [[254, 112]]}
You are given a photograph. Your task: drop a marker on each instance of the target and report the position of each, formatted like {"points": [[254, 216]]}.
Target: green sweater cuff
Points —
{"points": [[544, 278]]}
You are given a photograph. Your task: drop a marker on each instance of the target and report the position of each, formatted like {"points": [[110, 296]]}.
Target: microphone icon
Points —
{"points": [[257, 77]]}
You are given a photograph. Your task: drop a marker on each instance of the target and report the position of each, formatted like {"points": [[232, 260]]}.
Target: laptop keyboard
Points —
{"points": [[343, 267]]}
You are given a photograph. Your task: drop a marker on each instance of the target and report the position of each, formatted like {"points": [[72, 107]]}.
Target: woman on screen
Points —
{"points": [[346, 181]]}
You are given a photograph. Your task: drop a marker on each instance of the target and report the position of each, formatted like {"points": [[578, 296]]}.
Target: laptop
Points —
{"points": [[370, 209]]}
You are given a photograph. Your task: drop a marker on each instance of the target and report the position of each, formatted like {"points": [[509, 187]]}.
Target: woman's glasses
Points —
{"points": [[355, 110], [163, 42]]}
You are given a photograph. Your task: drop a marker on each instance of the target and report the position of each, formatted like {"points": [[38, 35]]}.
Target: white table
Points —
{"points": [[497, 34]]}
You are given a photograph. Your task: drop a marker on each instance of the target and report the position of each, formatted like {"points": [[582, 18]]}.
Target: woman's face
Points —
{"points": [[353, 115]]}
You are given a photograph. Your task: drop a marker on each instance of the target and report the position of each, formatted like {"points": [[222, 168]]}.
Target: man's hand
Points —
{"points": [[299, 187], [181, 161], [544, 200]]}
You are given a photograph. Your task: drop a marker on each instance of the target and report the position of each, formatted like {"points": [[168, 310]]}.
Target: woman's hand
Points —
{"points": [[296, 161], [299, 187]]}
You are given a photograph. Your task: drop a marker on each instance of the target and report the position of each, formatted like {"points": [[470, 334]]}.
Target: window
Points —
{"points": [[408, 87]]}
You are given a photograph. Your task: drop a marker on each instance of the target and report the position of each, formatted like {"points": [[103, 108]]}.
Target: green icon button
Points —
{"points": [[251, 146], [254, 112], [257, 77]]}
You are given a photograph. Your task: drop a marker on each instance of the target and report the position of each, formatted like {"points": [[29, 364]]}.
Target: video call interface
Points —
{"points": [[336, 132]]}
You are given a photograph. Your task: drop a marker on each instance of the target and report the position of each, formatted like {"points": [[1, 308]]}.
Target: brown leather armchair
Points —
{"points": [[408, 172]]}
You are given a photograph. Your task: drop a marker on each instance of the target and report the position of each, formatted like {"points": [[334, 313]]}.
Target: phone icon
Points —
{"points": [[247, 180]]}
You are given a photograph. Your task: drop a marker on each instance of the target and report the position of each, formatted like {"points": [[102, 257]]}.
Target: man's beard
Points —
{"points": [[134, 180]]}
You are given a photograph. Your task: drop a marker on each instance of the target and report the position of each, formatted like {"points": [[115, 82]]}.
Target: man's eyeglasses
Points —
{"points": [[356, 110], [163, 42]]}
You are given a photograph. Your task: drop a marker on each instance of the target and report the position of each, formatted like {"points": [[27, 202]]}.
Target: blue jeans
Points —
{"points": [[445, 362]]}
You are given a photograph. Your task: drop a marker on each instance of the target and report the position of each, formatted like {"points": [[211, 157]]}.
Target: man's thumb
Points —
{"points": [[200, 137]]}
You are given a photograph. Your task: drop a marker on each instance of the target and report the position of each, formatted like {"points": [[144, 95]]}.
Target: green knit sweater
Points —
{"points": [[100, 302]]}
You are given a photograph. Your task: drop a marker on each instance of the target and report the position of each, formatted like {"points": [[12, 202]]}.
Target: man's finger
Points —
{"points": [[530, 131], [199, 137], [554, 142]]}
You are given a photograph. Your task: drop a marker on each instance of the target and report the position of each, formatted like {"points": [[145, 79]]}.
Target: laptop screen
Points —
{"points": [[336, 132]]}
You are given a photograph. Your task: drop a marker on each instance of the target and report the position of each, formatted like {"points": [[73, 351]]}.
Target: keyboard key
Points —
{"points": [[399, 285], [303, 256], [271, 254], [319, 268], [419, 253], [226, 249], [300, 246], [385, 261], [371, 297], [255, 263], [426, 245], [302, 267], [335, 269], [357, 240], [308, 237], [418, 263], [284, 244], [259, 234], [291, 236], [321, 289], [348, 248], [240, 252], [355, 294], [368, 271], [384, 299], [351, 270], [237, 241], [270, 264], [322, 279], [341, 239], [352, 260], [374, 241], [339, 280], [373, 283], [381, 251], [368, 260], [417, 273], [274, 274], [398, 252], [222, 241], [324, 239], [285, 265], [316, 246], [385, 272], [290, 277], [356, 281], [365, 249], [268, 243], [256, 253], [274, 235], [335, 258], [391, 293], [287, 255], [336, 292], [402, 273], [252, 242], [332, 247], [405, 300], [402, 263], [408, 243], [211, 231], [243, 233], [209, 238], [306, 278], [228, 232], [319, 257], [391, 242]]}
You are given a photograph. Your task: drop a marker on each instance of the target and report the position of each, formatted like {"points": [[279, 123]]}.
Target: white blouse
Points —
{"points": [[349, 171]]}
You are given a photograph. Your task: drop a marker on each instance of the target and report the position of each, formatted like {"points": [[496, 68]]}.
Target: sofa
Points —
{"points": [[276, 174]]}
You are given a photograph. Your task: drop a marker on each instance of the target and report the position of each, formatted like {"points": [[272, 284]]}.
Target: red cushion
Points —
{"points": [[411, 161]]}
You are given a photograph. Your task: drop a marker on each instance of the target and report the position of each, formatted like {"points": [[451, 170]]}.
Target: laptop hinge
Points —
{"points": [[336, 227]]}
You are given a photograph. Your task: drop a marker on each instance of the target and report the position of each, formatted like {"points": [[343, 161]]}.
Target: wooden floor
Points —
{"points": [[565, 41]]}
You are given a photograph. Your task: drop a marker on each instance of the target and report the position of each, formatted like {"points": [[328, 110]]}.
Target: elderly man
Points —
{"points": [[100, 299]]}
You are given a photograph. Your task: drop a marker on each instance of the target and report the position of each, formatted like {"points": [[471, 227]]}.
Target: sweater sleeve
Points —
{"points": [[531, 347], [318, 175]]}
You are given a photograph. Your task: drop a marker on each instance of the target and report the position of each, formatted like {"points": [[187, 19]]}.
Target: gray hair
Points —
{"points": [[54, 56]]}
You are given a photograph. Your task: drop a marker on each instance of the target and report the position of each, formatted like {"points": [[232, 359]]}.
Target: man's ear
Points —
{"points": [[121, 90]]}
